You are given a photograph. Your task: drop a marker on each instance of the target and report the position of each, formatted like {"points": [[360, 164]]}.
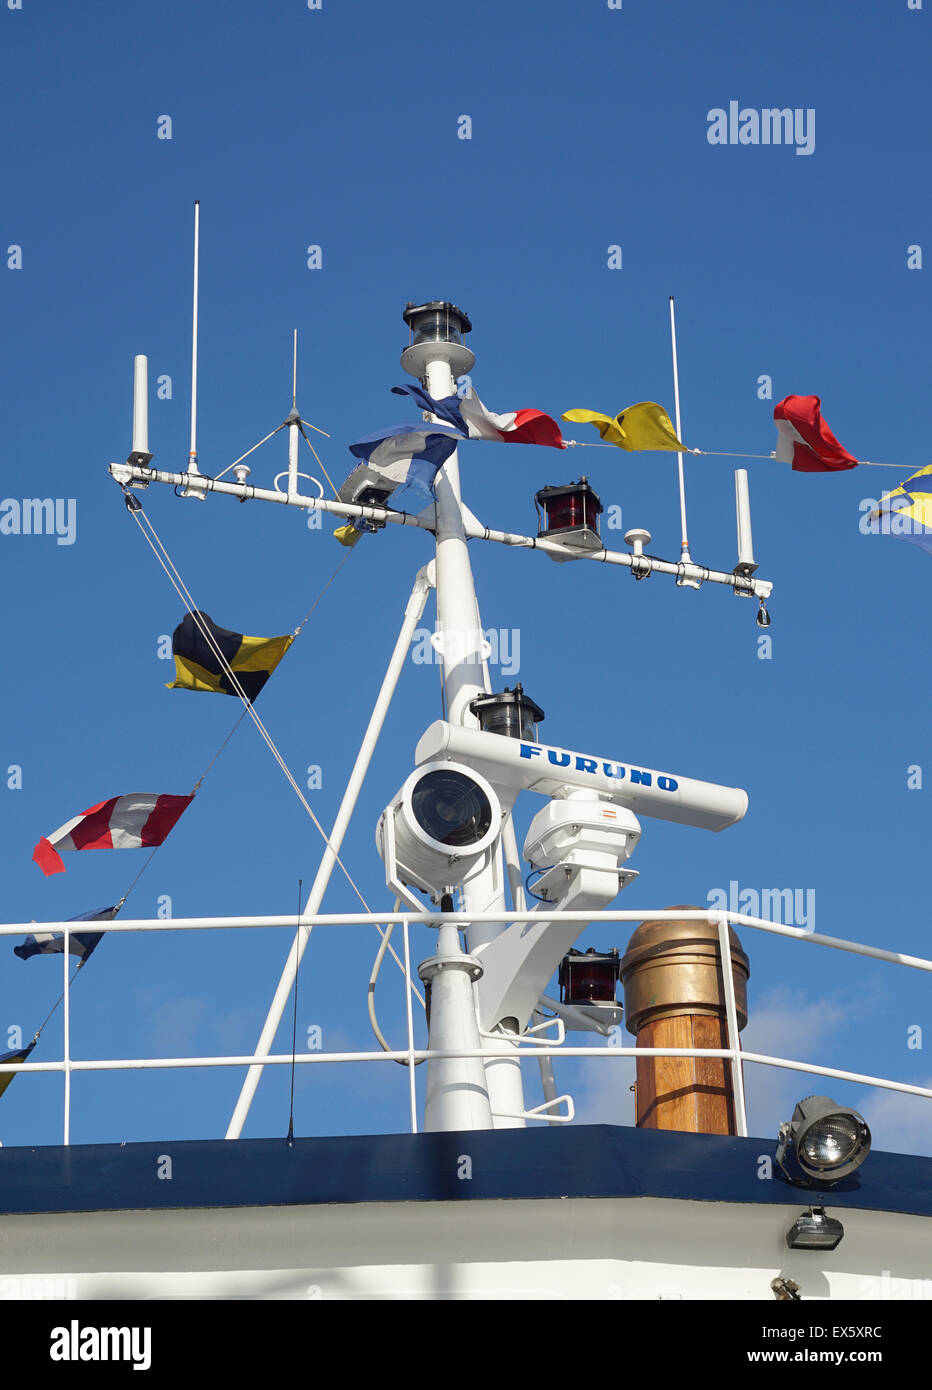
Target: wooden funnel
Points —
{"points": [[674, 997]]}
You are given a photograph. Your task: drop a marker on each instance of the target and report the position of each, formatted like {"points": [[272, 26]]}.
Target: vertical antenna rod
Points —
{"points": [[139, 453], [746, 562], [294, 420], [192, 457], [684, 545]]}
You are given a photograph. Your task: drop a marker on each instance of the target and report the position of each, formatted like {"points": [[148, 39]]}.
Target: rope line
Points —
{"points": [[323, 470], [181, 589], [717, 453]]}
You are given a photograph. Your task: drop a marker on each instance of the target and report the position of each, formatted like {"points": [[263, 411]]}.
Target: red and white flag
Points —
{"points": [[805, 440], [516, 427], [124, 822]]}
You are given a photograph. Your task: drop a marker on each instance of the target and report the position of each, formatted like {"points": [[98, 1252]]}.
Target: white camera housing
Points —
{"points": [[441, 826], [576, 831], [580, 832]]}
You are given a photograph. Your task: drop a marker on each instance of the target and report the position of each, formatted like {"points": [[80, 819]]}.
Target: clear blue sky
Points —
{"points": [[338, 127]]}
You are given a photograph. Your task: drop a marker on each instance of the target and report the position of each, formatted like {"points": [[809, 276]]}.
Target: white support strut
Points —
{"points": [[413, 614]]}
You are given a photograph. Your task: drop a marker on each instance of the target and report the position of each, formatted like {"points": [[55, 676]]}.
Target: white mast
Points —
{"points": [[461, 1093]]}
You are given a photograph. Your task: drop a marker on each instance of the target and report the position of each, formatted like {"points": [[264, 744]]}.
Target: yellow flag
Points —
{"points": [[643, 426], [347, 535]]}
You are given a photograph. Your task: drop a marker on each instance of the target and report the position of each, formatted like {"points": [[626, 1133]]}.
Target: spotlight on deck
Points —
{"points": [[569, 514], [440, 826], [513, 714], [824, 1141], [815, 1231], [436, 333]]}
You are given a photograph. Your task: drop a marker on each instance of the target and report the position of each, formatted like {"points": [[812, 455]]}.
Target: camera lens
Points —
{"points": [[451, 808]]}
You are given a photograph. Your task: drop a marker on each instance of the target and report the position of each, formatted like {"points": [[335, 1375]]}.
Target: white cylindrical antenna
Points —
{"points": [[684, 544], [192, 457], [746, 562], [140, 455], [293, 421]]}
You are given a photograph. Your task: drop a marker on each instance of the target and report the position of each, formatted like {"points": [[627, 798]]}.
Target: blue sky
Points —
{"points": [[338, 128]]}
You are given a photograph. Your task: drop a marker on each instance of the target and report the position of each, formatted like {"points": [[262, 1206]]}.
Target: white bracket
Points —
{"points": [[543, 1112]]}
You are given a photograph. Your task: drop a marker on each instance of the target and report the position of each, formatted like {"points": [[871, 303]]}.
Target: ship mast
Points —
{"points": [[465, 1093]]}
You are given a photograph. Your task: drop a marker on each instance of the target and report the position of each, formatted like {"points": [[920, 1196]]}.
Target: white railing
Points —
{"points": [[411, 1053]]}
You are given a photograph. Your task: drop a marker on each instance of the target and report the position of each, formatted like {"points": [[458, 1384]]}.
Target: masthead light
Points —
{"points": [[436, 333], [513, 714]]}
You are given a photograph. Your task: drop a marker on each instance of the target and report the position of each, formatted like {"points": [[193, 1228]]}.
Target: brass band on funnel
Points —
{"points": [[674, 968]]}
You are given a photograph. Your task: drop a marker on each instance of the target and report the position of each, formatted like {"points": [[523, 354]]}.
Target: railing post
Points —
{"points": [[66, 956], [408, 987], [731, 1015]]}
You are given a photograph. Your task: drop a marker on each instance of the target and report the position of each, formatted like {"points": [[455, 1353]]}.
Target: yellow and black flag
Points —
{"points": [[198, 667], [18, 1056]]}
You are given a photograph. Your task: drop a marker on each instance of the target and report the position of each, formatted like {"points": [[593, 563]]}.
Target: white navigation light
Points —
{"points": [[440, 827], [513, 765], [437, 331], [829, 1141]]}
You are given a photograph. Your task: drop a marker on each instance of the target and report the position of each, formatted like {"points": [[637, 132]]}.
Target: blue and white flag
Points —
{"points": [[404, 454], [80, 944], [473, 420]]}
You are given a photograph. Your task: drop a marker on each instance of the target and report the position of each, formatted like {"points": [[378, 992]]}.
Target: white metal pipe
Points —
{"points": [[67, 1032], [456, 1096], [412, 1085], [342, 919], [743, 517], [460, 630], [140, 448], [684, 546], [192, 457], [761, 588], [413, 614], [731, 1014], [339, 1058], [293, 437], [458, 1089], [513, 864]]}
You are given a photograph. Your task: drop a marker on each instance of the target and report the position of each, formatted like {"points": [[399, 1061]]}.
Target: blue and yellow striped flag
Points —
{"points": [[906, 512]]}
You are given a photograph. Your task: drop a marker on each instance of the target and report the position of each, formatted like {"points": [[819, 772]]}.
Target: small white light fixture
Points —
{"points": [[813, 1230]]}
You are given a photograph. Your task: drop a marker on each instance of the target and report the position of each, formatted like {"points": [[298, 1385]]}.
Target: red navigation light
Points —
{"points": [[569, 514], [587, 977]]}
